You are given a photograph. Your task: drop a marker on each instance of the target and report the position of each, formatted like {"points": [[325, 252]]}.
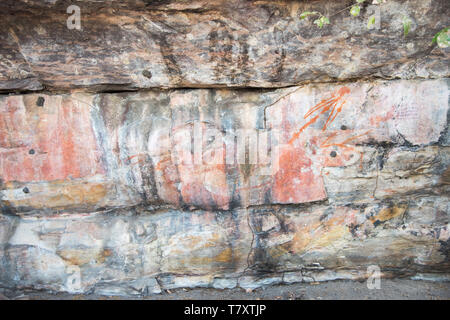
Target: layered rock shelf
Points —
{"points": [[171, 144]]}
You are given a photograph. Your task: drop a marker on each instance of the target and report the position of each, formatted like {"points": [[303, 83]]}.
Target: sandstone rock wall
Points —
{"points": [[135, 44], [224, 143]]}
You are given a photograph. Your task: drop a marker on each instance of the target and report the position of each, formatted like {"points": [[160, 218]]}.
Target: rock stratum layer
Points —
{"points": [[132, 44], [280, 180]]}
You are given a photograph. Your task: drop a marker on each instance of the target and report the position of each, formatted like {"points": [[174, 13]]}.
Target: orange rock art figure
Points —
{"points": [[335, 103], [328, 143], [297, 181], [346, 146]]}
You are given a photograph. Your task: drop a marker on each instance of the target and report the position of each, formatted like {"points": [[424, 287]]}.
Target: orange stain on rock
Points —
{"points": [[345, 151], [334, 103], [205, 185], [60, 135], [296, 180], [197, 185], [376, 120], [166, 175]]}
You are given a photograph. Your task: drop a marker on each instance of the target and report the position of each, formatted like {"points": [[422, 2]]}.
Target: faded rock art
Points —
{"points": [[211, 210], [332, 105], [227, 187], [219, 144], [159, 150]]}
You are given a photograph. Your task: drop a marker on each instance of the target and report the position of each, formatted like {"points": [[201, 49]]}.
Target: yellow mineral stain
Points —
{"points": [[225, 256], [445, 178], [319, 235], [62, 194], [83, 256], [328, 237], [197, 242], [389, 213], [279, 251]]}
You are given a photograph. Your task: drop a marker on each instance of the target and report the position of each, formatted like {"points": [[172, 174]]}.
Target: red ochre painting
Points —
{"points": [[45, 144], [62, 141], [299, 177], [64, 147], [333, 104]]}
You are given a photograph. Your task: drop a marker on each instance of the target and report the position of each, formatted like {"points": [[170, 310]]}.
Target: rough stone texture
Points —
{"points": [[391, 289], [110, 150], [116, 193], [136, 44], [381, 198]]}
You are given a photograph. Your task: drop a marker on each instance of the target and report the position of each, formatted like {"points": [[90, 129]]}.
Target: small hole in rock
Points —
{"points": [[147, 74], [343, 127], [26, 190], [31, 151], [40, 102], [333, 154]]}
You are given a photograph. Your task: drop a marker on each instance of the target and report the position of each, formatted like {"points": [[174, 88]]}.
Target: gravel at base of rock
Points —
{"points": [[391, 289]]}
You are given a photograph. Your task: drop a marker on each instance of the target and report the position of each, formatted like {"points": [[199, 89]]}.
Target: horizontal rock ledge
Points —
{"points": [[129, 252], [174, 144], [221, 149], [131, 45]]}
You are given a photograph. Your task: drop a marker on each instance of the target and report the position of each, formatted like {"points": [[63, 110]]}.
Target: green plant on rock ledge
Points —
{"points": [[442, 38]]}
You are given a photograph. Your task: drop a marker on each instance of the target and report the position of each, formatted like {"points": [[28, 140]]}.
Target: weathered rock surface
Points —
{"points": [[115, 196], [133, 44], [139, 251], [282, 179], [187, 148]]}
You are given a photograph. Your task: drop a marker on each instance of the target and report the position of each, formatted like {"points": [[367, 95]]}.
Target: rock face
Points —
{"points": [[132, 44], [313, 169]]}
